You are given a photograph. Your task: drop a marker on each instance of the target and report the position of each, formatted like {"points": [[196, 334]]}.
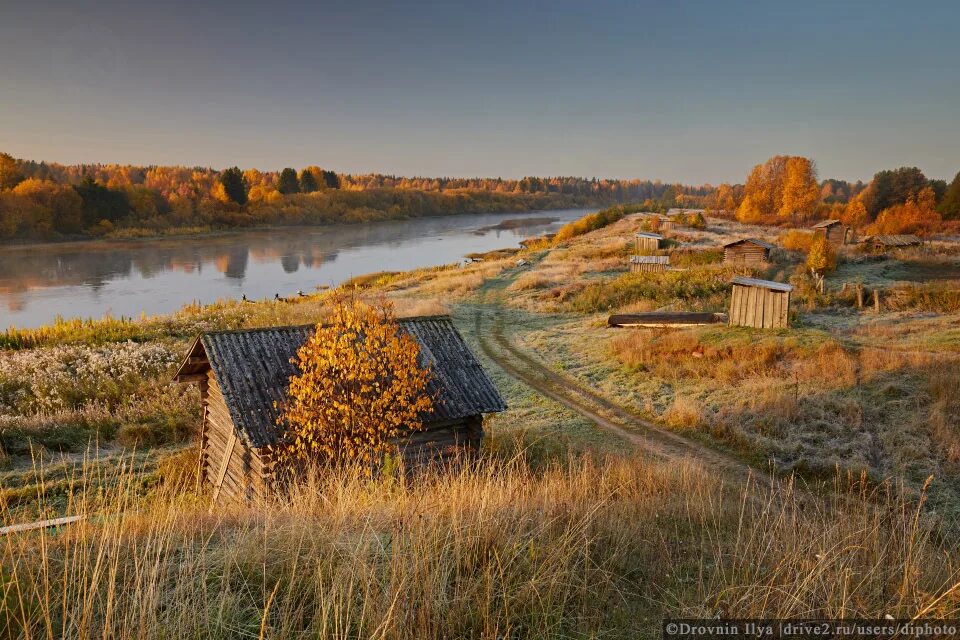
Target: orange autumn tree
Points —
{"points": [[359, 386], [782, 188], [917, 215]]}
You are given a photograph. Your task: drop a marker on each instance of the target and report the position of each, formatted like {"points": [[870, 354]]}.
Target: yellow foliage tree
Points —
{"points": [[855, 213], [359, 386], [784, 187], [822, 258], [801, 194]]}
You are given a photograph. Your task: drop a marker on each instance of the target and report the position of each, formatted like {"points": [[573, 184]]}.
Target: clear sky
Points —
{"points": [[681, 91]]}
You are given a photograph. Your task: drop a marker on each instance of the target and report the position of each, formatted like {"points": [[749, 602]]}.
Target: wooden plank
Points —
{"points": [[223, 466], [770, 299], [40, 524], [785, 311], [734, 320]]}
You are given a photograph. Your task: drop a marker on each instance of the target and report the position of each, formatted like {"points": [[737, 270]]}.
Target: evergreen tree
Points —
{"points": [[288, 183], [101, 203], [950, 206], [330, 179], [308, 182], [235, 185]]}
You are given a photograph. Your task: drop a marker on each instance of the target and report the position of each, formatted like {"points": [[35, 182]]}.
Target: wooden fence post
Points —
{"points": [[876, 300], [859, 296]]}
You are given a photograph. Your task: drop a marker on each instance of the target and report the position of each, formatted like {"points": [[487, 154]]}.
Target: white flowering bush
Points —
{"points": [[65, 377]]}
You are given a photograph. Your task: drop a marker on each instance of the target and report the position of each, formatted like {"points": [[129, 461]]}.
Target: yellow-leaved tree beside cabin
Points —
{"points": [[359, 387]]}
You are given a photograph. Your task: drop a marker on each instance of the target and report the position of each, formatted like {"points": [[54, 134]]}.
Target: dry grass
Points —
{"points": [[579, 548]]}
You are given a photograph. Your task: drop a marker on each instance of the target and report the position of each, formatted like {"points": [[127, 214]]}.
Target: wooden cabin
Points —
{"points": [[883, 243], [747, 251], [643, 264], [764, 304], [834, 230], [647, 241], [244, 374]]}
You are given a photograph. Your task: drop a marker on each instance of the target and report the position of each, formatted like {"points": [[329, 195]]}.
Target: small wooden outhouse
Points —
{"points": [[648, 242], [244, 375], [641, 264], [747, 251], [764, 304], [834, 230]]}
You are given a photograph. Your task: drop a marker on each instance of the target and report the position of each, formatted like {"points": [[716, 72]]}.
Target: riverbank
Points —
{"points": [[125, 278]]}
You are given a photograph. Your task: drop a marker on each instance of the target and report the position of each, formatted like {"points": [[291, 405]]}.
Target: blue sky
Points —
{"points": [[680, 91]]}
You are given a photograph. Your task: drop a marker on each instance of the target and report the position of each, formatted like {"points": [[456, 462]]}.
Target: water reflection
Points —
{"points": [[158, 276]]}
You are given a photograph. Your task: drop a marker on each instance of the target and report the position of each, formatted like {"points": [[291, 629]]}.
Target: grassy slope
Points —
{"points": [[545, 545]]}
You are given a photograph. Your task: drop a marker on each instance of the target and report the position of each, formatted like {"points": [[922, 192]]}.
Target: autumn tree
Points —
{"points": [[854, 214], [801, 194], [822, 258], [235, 185], [950, 206], [287, 183], [359, 386], [784, 187], [10, 174], [917, 215], [50, 207], [892, 187]]}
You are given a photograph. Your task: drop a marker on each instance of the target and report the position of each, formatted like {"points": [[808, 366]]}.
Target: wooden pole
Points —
{"points": [[876, 300], [859, 296]]}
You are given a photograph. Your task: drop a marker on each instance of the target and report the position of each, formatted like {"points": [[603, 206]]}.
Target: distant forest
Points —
{"points": [[49, 201]]}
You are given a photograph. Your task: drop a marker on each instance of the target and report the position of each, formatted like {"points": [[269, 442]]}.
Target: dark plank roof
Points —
{"points": [[763, 284], [253, 368], [825, 224], [756, 241], [894, 240]]}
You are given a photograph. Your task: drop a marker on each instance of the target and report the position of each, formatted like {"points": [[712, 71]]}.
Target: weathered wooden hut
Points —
{"points": [[647, 241], [764, 304], [641, 264], [244, 374], [881, 243], [834, 230], [747, 251]]}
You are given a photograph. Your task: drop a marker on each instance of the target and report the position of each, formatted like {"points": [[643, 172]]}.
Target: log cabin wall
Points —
{"points": [[745, 254]]}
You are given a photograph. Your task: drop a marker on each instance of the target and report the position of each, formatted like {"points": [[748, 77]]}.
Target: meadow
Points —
{"points": [[561, 528]]}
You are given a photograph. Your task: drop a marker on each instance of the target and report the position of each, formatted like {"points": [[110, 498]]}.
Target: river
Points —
{"points": [[38, 283]]}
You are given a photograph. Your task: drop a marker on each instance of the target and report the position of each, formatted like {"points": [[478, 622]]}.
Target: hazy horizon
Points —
{"points": [[692, 93]]}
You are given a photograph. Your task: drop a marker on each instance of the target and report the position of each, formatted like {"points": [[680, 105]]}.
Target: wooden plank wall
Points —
{"points": [[643, 268], [245, 476], [647, 245], [761, 308]]}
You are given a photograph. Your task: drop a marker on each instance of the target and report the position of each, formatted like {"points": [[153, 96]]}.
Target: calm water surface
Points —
{"points": [[93, 279]]}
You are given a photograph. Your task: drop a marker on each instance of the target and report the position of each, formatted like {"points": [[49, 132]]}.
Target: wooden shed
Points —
{"points": [[764, 304], [244, 374], [881, 243], [647, 241], [834, 230], [642, 264], [747, 251]]}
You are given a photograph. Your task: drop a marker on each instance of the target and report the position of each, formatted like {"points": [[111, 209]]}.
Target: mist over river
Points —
{"points": [[127, 278]]}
